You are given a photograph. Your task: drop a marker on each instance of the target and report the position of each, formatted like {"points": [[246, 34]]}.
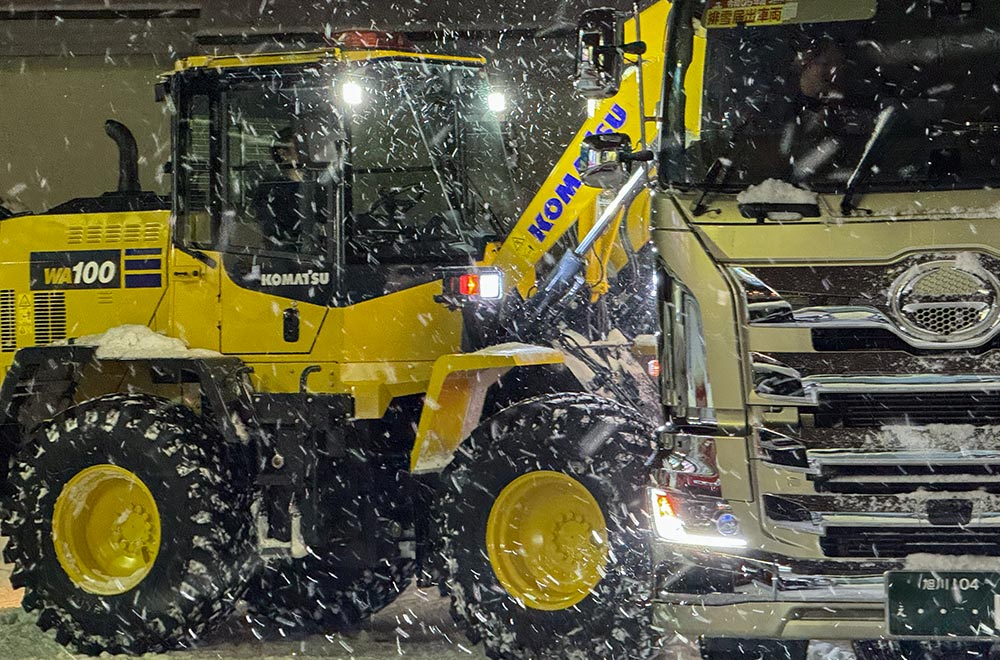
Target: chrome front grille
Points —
{"points": [[893, 492], [876, 390], [929, 300], [863, 542]]}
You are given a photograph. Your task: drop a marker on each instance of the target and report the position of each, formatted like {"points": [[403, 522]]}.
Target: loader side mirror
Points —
{"points": [[599, 58], [606, 160]]}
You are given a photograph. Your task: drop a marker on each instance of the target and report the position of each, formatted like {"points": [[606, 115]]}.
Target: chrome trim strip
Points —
{"points": [[826, 457], [910, 383], [868, 317], [790, 586]]}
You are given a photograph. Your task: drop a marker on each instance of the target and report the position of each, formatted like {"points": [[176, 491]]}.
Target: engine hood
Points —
{"points": [[888, 226]]}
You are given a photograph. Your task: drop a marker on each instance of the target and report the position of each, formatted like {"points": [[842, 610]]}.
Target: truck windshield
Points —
{"points": [[800, 102], [404, 156]]}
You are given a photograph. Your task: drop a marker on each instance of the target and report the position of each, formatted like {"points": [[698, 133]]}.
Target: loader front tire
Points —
{"points": [[129, 526], [545, 531]]}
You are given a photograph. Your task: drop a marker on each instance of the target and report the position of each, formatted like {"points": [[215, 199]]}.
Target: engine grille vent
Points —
{"points": [[857, 410], [902, 541], [132, 232], [50, 317], [8, 321]]}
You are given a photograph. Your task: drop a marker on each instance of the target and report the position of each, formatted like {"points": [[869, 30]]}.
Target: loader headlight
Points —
{"points": [[496, 102], [352, 93], [489, 286], [702, 521]]}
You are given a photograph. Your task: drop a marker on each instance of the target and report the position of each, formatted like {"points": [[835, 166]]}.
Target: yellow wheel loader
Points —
{"points": [[309, 376]]}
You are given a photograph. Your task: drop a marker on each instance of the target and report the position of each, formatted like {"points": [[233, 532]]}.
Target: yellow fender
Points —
{"points": [[455, 396]]}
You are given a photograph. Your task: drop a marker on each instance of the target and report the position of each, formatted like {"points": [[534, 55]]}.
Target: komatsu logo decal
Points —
{"points": [[308, 278], [564, 191]]}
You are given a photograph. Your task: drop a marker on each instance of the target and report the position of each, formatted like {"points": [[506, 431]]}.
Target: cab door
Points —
{"points": [[276, 194], [193, 265], [194, 298]]}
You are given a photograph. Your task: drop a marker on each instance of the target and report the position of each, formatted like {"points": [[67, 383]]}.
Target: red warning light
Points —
{"points": [[468, 285]]}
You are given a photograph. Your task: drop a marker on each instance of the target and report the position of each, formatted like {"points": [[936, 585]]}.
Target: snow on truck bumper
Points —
{"points": [[716, 593], [774, 603]]}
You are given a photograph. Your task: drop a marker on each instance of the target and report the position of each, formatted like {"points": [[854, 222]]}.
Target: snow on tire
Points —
{"points": [[592, 449], [202, 505]]}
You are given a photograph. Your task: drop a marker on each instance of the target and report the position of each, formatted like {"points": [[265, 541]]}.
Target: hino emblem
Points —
{"points": [[946, 301]]}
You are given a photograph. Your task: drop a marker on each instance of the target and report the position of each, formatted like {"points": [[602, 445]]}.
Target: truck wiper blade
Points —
{"points": [[715, 177], [883, 128]]}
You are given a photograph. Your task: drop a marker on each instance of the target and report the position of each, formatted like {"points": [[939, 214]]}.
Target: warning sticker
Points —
{"points": [[730, 13]]}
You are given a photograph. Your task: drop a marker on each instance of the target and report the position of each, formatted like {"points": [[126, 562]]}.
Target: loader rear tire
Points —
{"points": [[129, 527], [545, 531]]}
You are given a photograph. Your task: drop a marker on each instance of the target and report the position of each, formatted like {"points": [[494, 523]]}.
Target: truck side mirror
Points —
{"points": [[161, 91], [606, 160], [599, 58]]}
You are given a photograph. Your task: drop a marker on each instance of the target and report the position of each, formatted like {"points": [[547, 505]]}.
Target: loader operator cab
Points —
{"points": [[373, 173]]}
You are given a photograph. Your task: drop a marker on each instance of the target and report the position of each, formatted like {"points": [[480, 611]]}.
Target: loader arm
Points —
{"points": [[563, 201]]}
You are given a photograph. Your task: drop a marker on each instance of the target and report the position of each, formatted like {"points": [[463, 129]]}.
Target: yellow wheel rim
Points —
{"points": [[106, 530], [547, 540]]}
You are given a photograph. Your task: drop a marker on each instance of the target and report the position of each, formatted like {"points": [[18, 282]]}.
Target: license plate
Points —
{"points": [[926, 604]]}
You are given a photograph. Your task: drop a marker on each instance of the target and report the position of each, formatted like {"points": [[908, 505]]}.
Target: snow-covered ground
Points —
{"points": [[417, 626]]}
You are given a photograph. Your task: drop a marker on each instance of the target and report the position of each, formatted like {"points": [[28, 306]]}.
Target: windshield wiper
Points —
{"points": [[714, 178], [485, 204], [883, 128]]}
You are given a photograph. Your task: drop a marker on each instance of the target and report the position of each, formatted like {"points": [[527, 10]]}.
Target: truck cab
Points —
{"points": [[826, 221]]}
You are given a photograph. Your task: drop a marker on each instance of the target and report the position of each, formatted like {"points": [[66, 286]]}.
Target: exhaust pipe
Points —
{"points": [[128, 156]]}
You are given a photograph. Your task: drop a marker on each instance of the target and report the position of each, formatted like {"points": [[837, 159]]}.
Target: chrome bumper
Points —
{"points": [[777, 602]]}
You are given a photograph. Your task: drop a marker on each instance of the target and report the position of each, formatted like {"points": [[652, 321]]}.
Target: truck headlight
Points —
{"points": [[689, 509], [694, 520]]}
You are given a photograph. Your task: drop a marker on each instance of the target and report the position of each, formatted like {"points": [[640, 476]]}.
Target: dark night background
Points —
{"points": [[66, 66]]}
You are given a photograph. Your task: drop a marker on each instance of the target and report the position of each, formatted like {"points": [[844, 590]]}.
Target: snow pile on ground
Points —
{"points": [[21, 639], [138, 341], [830, 651], [775, 191]]}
